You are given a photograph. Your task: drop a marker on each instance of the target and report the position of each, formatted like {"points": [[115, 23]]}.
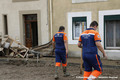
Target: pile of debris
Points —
{"points": [[6, 48], [19, 50]]}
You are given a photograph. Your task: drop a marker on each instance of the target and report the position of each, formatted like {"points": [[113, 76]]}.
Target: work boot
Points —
{"points": [[56, 72], [65, 72]]}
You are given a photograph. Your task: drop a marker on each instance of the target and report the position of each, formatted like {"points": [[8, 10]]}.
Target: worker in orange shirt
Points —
{"points": [[90, 41], [60, 43]]}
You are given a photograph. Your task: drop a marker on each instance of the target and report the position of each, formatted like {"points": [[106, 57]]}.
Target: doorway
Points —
{"points": [[31, 30]]}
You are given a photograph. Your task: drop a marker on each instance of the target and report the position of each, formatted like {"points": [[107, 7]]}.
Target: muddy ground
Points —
{"points": [[19, 69]]}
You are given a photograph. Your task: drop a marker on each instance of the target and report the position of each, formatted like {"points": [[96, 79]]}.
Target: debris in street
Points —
{"points": [[13, 48], [9, 50]]}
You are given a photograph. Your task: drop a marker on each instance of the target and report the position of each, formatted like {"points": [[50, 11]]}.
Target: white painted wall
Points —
{"points": [[82, 1], [12, 11]]}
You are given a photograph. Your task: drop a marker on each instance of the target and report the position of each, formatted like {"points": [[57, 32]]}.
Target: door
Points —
{"points": [[31, 30], [34, 29], [28, 35]]}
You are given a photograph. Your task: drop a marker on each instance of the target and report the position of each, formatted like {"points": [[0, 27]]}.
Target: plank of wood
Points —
{"points": [[26, 53], [17, 53], [81, 60]]}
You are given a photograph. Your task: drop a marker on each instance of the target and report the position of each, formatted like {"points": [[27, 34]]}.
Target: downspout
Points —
{"points": [[51, 18], [48, 18]]}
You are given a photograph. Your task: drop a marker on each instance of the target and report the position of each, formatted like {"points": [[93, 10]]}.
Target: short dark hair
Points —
{"points": [[61, 28], [94, 23]]}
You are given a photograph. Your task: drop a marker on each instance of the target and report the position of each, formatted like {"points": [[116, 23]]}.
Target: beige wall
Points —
{"points": [[23, 0], [62, 7], [13, 9]]}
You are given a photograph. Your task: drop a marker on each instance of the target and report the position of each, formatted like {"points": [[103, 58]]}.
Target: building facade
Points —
{"points": [[25, 20], [34, 22], [76, 16]]}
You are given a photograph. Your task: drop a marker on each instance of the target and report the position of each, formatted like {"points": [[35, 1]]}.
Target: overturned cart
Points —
{"points": [[45, 50]]}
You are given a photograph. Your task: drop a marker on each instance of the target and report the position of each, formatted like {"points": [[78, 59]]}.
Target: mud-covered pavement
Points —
{"points": [[19, 69]]}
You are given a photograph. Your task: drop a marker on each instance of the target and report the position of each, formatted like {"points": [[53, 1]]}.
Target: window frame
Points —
{"points": [[76, 14], [86, 1], [23, 0], [102, 29], [5, 24]]}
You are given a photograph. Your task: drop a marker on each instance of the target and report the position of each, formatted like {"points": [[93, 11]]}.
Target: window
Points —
{"points": [[5, 25], [77, 22], [112, 32], [30, 17], [79, 25], [23, 0], [82, 1]]}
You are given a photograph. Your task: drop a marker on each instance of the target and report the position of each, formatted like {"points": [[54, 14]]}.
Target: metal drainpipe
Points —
{"points": [[51, 19], [48, 18]]}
